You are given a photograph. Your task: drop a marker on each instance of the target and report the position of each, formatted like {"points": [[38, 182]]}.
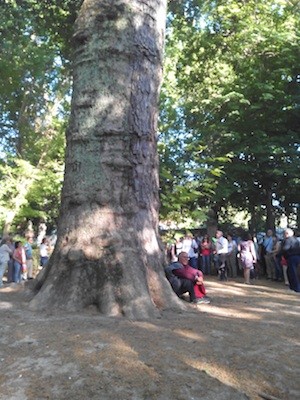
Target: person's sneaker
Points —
{"points": [[198, 301], [206, 299], [201, 301]]}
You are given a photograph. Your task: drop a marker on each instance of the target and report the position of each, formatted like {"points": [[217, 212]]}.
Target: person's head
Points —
{"points": [[229, 237], [4, 240], [246, 236], [288, 233], [205, 238], [183, 258], [219, 234], [29, 239], [18, 243], [269, 232], [44, 240]]}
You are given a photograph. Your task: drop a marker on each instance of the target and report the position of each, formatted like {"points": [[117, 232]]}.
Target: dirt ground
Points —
{"points": [[244, 345]]}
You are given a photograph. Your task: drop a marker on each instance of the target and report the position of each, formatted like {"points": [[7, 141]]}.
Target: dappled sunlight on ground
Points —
{"points": [[222, 374], [189, 335], [148, 326], [245, 341], [231, 312], [5, 305], [255, 302]]}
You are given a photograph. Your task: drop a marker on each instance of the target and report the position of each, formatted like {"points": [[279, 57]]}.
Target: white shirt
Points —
{"points": [[189, 246], [222, 245], [43, 250]]}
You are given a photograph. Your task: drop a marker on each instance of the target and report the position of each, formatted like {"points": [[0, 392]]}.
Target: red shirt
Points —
{"points": [[187, 272], [206, 248]]}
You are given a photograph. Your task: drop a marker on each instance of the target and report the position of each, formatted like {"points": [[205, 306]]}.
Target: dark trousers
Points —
{"points": [[293, 272], [222, 268], [278, 269], [206, 261], [186, 286], [10, 271]]}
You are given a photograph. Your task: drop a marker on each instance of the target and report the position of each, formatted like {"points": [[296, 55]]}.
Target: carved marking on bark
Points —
{"points": [[76, 166]]}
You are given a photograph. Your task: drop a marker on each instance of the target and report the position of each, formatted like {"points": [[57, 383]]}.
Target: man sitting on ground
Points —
{"points": [[184, 278]]}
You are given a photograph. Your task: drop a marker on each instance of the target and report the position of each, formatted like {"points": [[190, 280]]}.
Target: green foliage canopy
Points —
{"points": [[229, 121], [232, 74]]}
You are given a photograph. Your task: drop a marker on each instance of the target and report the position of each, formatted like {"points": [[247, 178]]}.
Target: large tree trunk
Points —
{"points": [[108, 251]]}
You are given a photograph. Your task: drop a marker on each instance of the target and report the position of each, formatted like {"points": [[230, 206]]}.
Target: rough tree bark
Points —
{"points": [[108, 251]]}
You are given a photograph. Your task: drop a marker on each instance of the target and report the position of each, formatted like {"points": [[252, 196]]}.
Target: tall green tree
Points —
{"points": [[237, 79], [34, 84]]}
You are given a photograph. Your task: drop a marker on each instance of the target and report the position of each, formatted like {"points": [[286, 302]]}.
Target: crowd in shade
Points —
{"points": [[229, 256]]}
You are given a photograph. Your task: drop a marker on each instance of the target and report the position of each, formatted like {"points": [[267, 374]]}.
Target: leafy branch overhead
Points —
{"points": [[232, 78], [229, 107]]}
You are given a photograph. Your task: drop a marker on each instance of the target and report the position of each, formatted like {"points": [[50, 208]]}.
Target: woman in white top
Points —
{"points": [[44, 255]]}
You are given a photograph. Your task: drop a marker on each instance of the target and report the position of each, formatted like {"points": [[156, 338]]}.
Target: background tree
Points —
{"points": [[236, 85], [34, 89]]}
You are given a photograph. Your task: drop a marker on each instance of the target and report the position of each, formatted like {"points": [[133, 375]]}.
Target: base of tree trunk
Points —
{"points": [[77, 286]]}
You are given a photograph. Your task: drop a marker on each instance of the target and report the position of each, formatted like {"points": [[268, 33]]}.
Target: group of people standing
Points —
{"points": [[16, 258], [282, 258], [276, 259]]}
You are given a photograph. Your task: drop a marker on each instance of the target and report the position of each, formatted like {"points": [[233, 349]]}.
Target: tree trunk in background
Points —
{"points": [[270, 220], [108, 251], [252, 225], [212, 222]]}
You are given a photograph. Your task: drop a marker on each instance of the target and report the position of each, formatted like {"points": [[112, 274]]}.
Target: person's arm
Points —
{"points": [[8, 249], [280, 251], [186, 273], [276, 248], [253, 252], [199, 278], [235, 246], [23, 256]]}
